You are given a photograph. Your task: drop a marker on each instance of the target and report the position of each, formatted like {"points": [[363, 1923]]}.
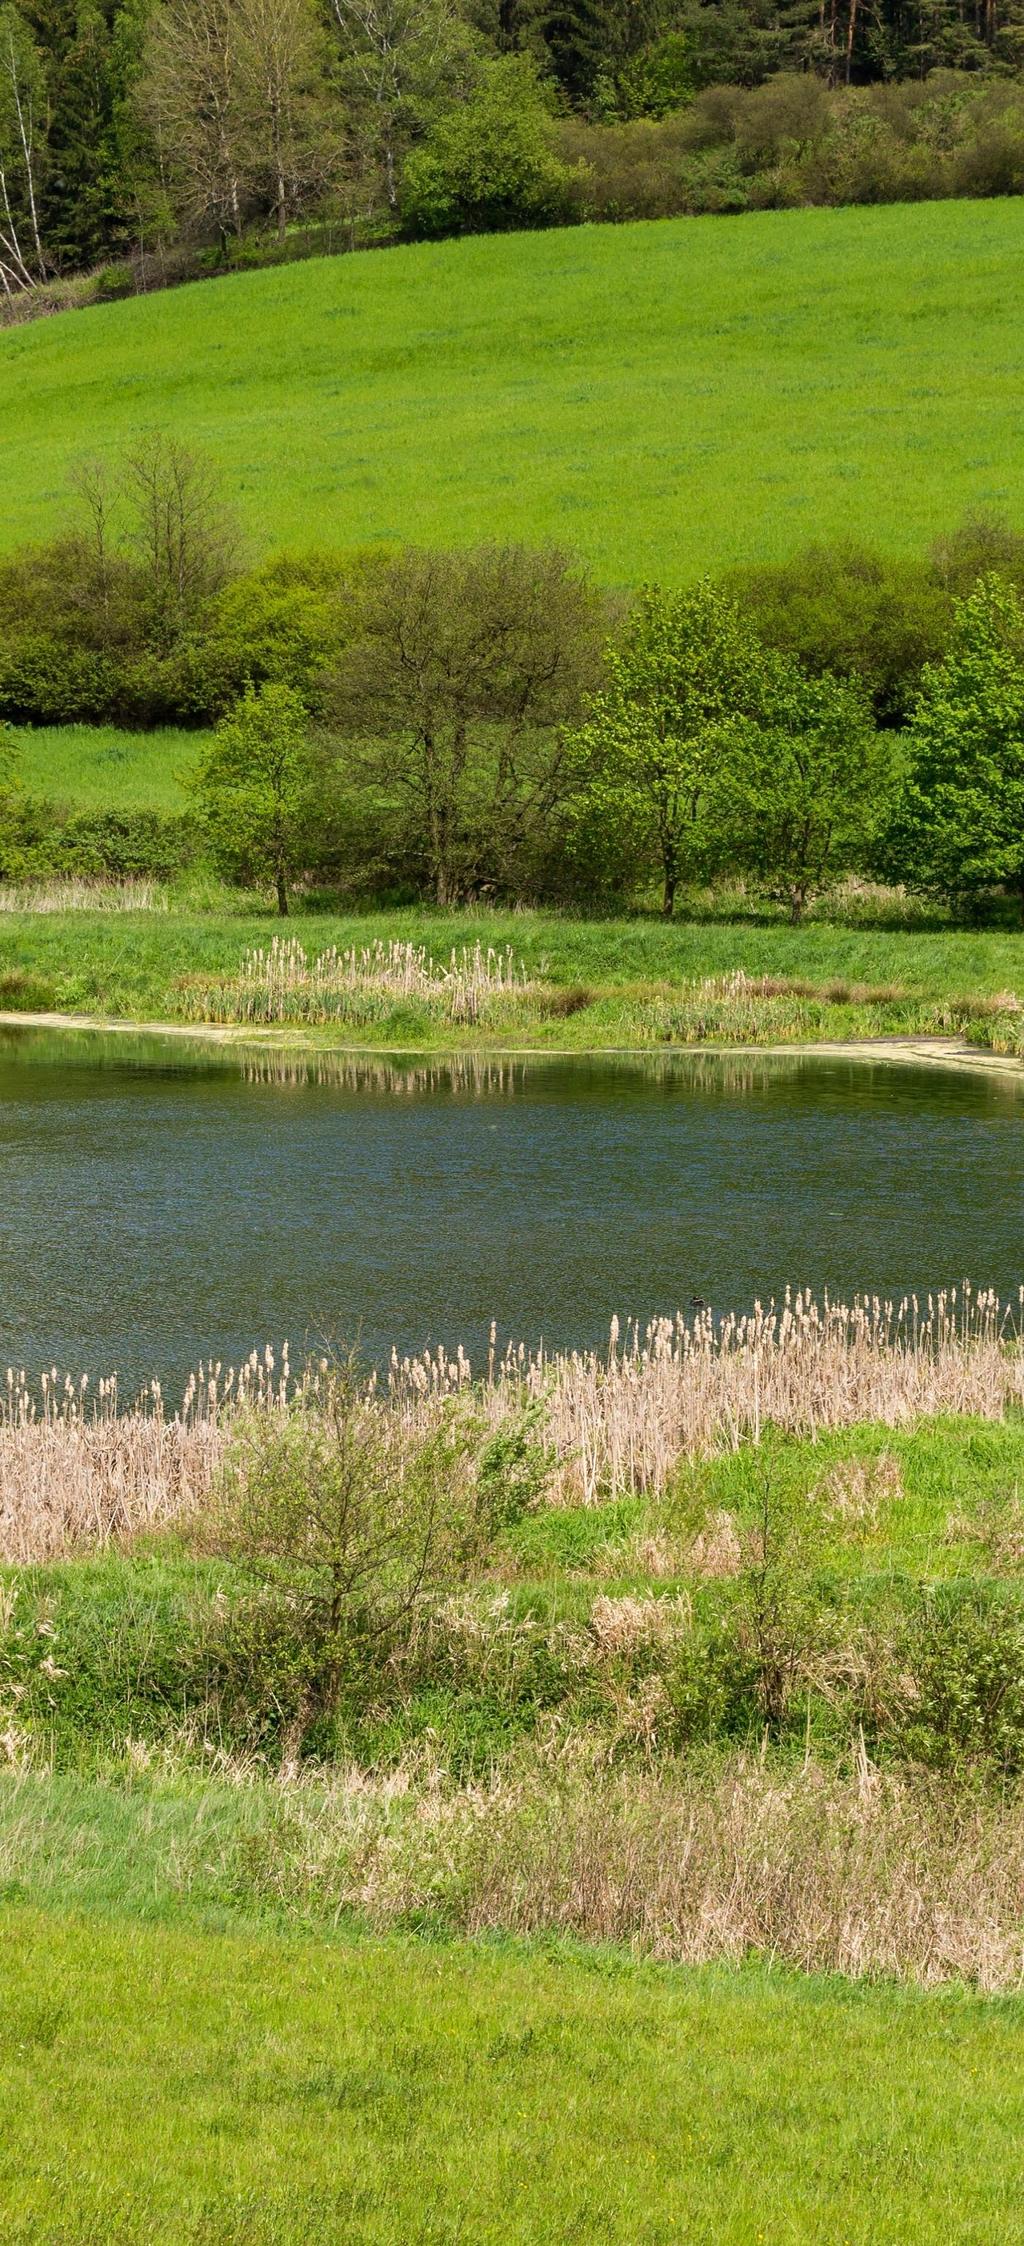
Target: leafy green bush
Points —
{"points": [[963, 1699], [121, 844], [347, 1526], [489, 164]]}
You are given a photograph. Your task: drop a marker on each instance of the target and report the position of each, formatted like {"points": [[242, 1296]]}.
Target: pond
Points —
{"points": [[162, 1202]]}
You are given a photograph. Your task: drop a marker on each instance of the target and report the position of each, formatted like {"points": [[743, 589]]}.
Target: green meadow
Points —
{"points": [[178, 2087], [100, 768], [662, 397]]}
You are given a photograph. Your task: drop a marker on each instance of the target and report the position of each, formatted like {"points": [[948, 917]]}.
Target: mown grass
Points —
{"points": [[101, 768], [665, 397], [620, 978], [184, 2087]]}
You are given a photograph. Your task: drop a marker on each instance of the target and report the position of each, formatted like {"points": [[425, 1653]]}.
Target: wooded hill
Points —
{"points": [[160, 136]]}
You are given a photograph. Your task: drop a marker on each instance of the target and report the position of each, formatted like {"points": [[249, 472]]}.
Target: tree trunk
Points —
{"points": [[282, 895], [668, 901]]}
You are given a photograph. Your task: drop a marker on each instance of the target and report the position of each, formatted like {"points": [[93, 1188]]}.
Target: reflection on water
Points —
{"points": [[167, 1199]]}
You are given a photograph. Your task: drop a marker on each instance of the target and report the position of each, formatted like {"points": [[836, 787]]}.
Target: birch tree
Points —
{"points": [[399, 59], [235, 96], [22, 154]]}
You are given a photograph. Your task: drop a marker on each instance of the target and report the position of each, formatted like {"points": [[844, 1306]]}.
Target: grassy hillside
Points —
{"points": [[663, 397]]}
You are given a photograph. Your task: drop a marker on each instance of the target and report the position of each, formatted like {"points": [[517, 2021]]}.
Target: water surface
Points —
{"points": [[160, 1202]]}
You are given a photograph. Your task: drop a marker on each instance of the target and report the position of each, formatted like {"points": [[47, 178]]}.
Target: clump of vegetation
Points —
{"points": [[365, 985], [347, 1526], [485, 724]]}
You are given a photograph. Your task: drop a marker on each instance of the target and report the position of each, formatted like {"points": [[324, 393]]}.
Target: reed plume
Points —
{"points": [[78, 1466]]}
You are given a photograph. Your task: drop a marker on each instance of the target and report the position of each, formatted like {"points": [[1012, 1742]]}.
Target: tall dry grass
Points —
{"points": [[619, 1422], [864, 1874], [279, 982], [78, 1469], [72, 894]]}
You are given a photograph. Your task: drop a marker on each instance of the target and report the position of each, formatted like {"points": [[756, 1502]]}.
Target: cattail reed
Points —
{"points": [[79, 895], [80, 1467], [279, 982]]}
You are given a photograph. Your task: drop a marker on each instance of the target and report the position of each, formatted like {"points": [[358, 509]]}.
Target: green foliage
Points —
{"points": [[165, 142], [9, 805], [350, 1594], [117, 845], [488, 164], [349, 1527], [460, 668], [806, 797], [285, 624], [512, 1471], [963, 1703], [684, 690], [106, 620], [258, 790], [852, 611], [960, 827]]}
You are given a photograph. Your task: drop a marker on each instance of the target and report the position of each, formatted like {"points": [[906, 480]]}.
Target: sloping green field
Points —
{"points": [[663, 397]]}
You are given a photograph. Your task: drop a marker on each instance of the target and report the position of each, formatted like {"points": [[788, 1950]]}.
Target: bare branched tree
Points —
{"points": [[183, 535], [235, 95], [189, 96], [294, 143]]}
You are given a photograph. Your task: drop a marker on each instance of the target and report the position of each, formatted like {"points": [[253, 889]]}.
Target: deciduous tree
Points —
{"points": [[22, 153], [805, 798], [257, 789], [683, 691], [959, 828], [462, 668]]}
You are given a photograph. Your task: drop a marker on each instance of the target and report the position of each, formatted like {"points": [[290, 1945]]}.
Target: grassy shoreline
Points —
{"points": [[600, 985]]}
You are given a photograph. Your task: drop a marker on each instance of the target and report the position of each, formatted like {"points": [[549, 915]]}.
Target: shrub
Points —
{"points": [[347, 1526], [490, 163], [963, 1701], [259, 791], [120, 844]]}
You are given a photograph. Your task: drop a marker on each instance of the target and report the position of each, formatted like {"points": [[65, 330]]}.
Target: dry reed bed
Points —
{"points": [[279, 982], [865, 1874], [77, 1470]]}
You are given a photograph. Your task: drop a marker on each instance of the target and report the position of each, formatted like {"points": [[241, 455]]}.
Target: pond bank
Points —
{"points": [[923, 1051]]}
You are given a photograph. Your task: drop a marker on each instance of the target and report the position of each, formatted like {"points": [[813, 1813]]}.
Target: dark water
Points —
{"points": [[159, 1203]]}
